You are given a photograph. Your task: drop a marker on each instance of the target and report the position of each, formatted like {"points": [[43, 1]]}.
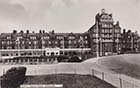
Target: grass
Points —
{"points": [[124, 64], [69, 81]]}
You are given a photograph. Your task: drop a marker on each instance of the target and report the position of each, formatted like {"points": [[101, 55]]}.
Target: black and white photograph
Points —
{"points": [[69, 44]]}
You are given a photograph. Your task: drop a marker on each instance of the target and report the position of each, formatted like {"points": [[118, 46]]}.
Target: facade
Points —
{"points": [[104, 34], [43, 40], [129, 41], [43, 44]]}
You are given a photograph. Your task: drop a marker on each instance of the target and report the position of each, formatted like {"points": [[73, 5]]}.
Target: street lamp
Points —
{"points": [[100, 46], [97, 39], [18, 42], [81, 42], [117, 44]]}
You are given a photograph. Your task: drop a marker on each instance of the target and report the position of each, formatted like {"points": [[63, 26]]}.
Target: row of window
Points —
{"points": [[127, 41], [107, 36], [117, 31], [103, 31], [106, 20], [43, 42], [103, 40], [20, 42], [46, 37], [117, 35], [107, 25]]}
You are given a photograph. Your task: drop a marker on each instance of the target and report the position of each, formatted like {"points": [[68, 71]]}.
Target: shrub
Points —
{"points": [[74, 59], [62, 58], [13, 78]]}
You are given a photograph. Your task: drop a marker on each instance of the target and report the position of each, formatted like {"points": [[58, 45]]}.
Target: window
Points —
{"points": [[103, 35], [8, 37], [74, 42], [69, 42], [49, 42], [29, 42], [19, 37], [110, 25], [59, 37], [33, 37], [35, 42], [62, 42], [94, 35], [23, 42], [45, 37], [3, 42], [43, 42], [110, 31], [55, 42], [86, 42], [8, 42], [71, 37]]}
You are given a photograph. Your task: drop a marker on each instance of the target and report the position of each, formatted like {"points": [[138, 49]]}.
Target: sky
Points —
{"points": [[65, 15]]}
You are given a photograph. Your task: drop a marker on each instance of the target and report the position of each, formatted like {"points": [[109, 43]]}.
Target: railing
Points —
{"points": [[119, 81]]}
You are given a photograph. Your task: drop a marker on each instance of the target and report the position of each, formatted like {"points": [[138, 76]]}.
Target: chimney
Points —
{"points": [[124, 31], [117, 23], [40, 31], [43, 31], [103, 11], [27, 31], [110, 15]]}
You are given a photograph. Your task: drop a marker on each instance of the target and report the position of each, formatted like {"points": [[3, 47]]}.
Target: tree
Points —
{"points": [[13, 78]]}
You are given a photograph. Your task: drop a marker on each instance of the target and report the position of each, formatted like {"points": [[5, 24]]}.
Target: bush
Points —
{"points": [[13, 78], [62, 58], [74, 59]]}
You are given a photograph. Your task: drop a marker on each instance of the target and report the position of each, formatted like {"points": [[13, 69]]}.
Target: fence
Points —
{"points": [[119, 81]]}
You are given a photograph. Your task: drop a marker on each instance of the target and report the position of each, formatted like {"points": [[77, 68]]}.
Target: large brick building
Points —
{"points": [[104, 34], [103, 38], [43, 40], [129, 41]]}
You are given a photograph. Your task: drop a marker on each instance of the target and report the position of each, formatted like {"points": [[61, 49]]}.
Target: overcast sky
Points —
{"points": [[65, 15]]}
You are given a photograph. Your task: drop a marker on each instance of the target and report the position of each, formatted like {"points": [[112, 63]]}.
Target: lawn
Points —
{"points": [[128, 64], [69, 81]]}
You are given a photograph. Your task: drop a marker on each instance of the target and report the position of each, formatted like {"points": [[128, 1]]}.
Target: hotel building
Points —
{"points": [[103, 38]]}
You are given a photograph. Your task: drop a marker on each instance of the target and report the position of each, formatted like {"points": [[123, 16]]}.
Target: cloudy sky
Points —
{"points": [[65, 15]]}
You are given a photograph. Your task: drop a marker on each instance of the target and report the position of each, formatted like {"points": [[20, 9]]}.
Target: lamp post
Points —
{"points": [[97, 39], [18, 42], [117, 44], [42, 43], [132, 43], [100, 46], [63, 44], [81, 43]]}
